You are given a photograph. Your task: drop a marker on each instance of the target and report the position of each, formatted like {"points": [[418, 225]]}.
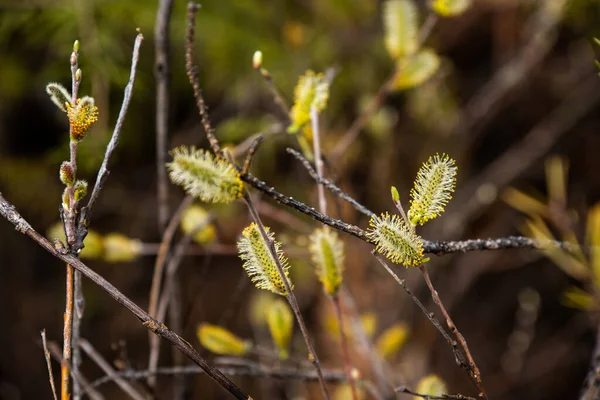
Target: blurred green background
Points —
{"points": [[466, 111]]}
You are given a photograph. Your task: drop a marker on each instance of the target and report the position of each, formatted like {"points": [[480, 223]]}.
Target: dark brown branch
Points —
{"points": [[9, 212], [162, 70], [431, 247], [328, 184], [405, 390], [192, 73]]}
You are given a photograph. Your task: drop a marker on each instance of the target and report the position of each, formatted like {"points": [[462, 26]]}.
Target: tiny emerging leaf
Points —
{"points": [[416, 69], [281, 324], [59, 95], [221, 341]]}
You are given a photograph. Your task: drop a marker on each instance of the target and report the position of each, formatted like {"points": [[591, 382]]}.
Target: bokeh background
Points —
{"points": [[517, 86]]}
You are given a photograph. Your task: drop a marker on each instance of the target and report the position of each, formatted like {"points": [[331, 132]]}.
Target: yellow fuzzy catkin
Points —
{"points": [[450, 8], [433, 189], [221, 341], [327, 252], [82, 116], [281, 324], [213, 180], [396, 240], [401, 27], [312, 90], [259, 262]]}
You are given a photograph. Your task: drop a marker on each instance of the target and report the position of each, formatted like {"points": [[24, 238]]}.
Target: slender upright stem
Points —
{"points": [[70, 227], [290, 294], [314, 119], [162, 72], [335, 300], [67, 330]]}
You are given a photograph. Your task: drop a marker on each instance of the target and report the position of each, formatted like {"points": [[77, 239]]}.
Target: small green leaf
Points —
{"points": [[414, 70]]}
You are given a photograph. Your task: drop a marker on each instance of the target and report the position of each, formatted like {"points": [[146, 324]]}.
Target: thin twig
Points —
{"points": [[458, 356], [109, 371], [251, 152], [192, 73], [290, 294], [48, 363], [335, 301], [257, 371], [93, 394], [277, 97], [67, 330], [9, 212], [114, 140], [328, 184], [405, 390], [472, 370], [162, 70]]}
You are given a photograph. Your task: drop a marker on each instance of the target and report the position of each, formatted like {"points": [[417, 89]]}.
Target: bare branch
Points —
{"points": [[192, 73], [9, 212]]}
